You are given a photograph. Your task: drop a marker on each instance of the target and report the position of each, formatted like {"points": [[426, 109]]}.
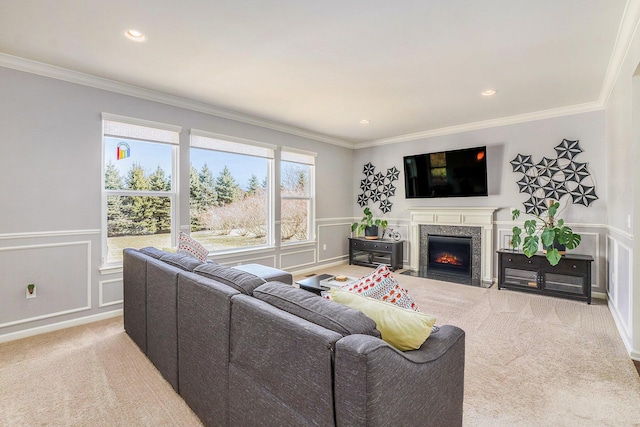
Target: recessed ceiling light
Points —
{"points": [[489, 92], [364, 122], [135, 35]]}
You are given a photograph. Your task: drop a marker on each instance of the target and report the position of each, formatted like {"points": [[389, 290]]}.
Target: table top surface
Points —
{"points": [[313, 281], [570, 255]]}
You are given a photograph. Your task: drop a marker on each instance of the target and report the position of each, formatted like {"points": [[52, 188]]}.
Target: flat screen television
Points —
{"points": [[454, 173]]}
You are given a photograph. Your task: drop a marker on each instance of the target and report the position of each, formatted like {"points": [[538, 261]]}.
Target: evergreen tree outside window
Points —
{"points": [[140, 191], [230, 201], [297, 191]]}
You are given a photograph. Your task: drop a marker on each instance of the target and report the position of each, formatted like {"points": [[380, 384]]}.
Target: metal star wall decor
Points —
{"points": [[378, 187], [555, 178]]}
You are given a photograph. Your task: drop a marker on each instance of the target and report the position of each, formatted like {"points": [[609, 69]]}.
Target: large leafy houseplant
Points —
{"points": [[367, 221], [548, 231]]}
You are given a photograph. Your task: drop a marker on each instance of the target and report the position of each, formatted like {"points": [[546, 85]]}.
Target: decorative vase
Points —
{"points": [[562, 249], [371, 233]]}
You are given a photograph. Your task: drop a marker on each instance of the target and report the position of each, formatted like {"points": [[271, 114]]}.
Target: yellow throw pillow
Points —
{"points": [[404, 329]]}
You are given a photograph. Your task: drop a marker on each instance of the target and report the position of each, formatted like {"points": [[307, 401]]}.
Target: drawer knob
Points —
{"points": [[510, 259], [575, 266], [530, 261]]}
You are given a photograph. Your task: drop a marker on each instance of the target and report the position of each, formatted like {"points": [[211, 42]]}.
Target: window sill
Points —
{"points": [[110, 269], [298, 244]]}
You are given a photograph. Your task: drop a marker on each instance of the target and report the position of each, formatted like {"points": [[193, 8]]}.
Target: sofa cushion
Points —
{"points": [[403, 329], [189, 246], [237, 279], [269, 274], [181, 261], [153, 252], [383, 286], [306, 305]]}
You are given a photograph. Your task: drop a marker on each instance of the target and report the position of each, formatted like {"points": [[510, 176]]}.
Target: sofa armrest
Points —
{"points": [[377, 385]]}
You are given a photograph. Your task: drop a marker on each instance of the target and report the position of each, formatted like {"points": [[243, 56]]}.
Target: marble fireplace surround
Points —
{"points": [[481, 217]]}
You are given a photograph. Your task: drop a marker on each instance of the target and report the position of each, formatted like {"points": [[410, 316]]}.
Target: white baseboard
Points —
{"points": [[318, 267], [60, 325]]}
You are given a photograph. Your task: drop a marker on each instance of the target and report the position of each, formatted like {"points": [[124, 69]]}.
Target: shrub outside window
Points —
{"points": [[296, 195], [139, 192], [230, 192]]}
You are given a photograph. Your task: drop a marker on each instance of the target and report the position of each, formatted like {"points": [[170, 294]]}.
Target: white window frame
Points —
{"points": [[307, 158], [224, 143], [147, 131]]}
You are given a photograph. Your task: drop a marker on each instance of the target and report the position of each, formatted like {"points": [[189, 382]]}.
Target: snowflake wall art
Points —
{"points": [[378, 187], [555, 178]]}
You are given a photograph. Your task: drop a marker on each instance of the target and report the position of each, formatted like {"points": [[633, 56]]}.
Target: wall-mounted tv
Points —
{"points": [[454, 173]]}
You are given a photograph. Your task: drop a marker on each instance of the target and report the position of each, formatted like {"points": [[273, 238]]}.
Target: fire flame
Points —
{"points": [[449, 259]]}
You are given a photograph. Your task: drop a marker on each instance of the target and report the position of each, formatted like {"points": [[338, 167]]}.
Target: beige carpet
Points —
{"points": [[91, 375], [530, 361]]}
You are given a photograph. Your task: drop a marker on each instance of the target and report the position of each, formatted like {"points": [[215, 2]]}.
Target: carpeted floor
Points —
{"points": [[530, 361]]}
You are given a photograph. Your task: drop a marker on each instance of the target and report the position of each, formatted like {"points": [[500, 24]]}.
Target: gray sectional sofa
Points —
{"points": [[243, 347]]}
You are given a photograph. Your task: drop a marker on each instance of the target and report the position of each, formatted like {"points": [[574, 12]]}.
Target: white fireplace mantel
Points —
{"points": [[463, 216]]}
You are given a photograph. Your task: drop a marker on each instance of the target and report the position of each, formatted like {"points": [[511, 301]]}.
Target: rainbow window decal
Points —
{"points": [[122, 151]]}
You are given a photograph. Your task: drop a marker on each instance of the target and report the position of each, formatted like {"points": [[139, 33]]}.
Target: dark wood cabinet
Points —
{"points": [[372, 253], [571, 278]]}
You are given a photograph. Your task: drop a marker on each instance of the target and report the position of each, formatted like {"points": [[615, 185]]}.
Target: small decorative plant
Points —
{"points": [[549, 231], [367, 222]]}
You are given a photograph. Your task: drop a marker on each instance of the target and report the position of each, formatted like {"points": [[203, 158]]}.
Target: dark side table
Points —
{"points": [[372, 253], [312, 284]]}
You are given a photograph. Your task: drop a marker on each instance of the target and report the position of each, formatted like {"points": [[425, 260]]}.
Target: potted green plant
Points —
{"points": [[548, 231], [368, 225]]}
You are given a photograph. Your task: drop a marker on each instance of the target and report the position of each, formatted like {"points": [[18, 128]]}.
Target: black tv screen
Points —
{"points": [[455, 173]]}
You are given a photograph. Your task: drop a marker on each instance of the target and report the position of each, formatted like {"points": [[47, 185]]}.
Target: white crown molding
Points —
{"points": [[521, 118], [626, 33], [59, 73]]}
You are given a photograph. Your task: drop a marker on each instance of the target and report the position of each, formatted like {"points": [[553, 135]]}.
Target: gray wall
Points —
{"points": [[623, 153], [537, 138], [50, 187], [50, 190]]}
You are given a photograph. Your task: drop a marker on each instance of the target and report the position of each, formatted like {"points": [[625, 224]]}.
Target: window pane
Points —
{"points": [[137, 165], [136, 222], [295, 220], [294, 180], [228, 199]]}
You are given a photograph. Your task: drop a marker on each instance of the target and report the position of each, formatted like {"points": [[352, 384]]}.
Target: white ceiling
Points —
{"points": [[410, 67]]}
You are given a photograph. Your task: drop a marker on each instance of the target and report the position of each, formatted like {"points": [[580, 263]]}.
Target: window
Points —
{"points": [[139, 192], [230, 188], [296, 195]]}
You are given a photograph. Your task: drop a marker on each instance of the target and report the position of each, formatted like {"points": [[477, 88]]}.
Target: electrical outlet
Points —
{"points": [[31, 291], [324, 247], [628, 221]]}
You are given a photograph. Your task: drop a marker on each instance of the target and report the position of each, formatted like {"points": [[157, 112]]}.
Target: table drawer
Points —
{"points": [[369, 245]]}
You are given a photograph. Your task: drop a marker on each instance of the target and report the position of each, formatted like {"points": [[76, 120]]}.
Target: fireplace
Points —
{"points": [[476, 222], [449, 255]]}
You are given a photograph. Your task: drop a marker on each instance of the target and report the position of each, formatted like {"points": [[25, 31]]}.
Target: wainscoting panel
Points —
{"points": [[62, 279], [110, 292], [297, 259], [333, 243], [621, 273], [590, 245], [403, 229], [268, 260]]}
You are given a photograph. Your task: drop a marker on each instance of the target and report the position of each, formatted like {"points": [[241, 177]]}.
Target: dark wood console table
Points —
{"points": [[571, 278], [372, 253]]}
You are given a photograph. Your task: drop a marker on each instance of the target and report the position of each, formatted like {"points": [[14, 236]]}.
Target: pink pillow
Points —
{"points": [[381, 285], [188, 245]]}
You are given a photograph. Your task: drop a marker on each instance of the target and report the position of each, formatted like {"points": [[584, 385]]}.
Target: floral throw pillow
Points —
{"points": [[381, 285], [188, 245]]}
